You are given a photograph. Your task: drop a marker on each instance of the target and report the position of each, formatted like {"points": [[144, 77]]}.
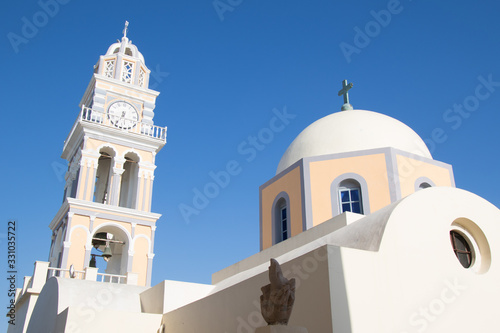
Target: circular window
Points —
{"points": [[462, 248], [470, 245]]}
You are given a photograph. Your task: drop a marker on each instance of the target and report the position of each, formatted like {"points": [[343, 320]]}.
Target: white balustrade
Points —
{"points": [[122, 123], [65, 273], [112, 278], [80, 275]]}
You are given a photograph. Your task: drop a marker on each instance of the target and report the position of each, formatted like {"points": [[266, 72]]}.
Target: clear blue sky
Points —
{"points": [[228, 68]]}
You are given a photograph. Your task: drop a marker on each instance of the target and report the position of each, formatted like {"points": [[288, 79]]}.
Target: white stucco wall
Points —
{"points": [[86, 300], [169, 295], [393, 271]]}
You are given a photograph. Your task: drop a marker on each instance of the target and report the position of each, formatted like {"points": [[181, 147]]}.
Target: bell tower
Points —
{"points": [[106, 217]]}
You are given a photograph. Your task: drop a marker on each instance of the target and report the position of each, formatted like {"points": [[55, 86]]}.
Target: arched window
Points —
{"points": [[129, 182], [349, 193], [103, 176], [74, 184], [281, 220], [424, 185], [350, 199]]}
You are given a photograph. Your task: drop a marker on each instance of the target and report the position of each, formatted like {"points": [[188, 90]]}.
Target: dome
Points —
{"points": [[125, 47], [128, 49], [352, 130]]}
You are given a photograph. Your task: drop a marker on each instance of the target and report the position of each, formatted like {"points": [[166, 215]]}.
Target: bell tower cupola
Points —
{"points": [[124, 62], [111, 150]]}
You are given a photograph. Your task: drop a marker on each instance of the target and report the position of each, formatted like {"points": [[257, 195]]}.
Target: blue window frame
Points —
{"points": [[283, 223], [281, 218], [350, 200]]}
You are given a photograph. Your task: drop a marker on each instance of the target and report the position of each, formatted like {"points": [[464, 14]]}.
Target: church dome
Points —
{"points": [[127, 48], [352, 130]]}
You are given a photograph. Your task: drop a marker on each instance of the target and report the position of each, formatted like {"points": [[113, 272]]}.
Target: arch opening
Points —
{"points": [[129, 181], [114, 242], [105, 165]]}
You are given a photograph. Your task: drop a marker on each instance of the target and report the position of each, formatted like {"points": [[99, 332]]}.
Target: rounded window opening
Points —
{"points": [[470, 245], [281, 223], [424, 185], [350, 196], [462, 248]]}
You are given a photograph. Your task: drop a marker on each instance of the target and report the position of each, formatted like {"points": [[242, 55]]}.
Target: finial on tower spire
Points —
{"points": [[125, 29], [344, 91]]}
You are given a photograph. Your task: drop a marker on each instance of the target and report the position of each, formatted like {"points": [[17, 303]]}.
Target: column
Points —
{"points": [[66, 242], [88, 179], [130, 260], [74, 171], [150, 269], [153, 229], [115, 187], [150, 199], [88, 246]]}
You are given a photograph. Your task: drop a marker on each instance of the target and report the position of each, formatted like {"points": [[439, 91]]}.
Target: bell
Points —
{"points": [[99, 239], [107, 253], [92, 262]]}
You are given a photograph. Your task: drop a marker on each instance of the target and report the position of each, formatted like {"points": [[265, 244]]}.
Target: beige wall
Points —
{"points": [[78, 239], [373, 168], [410, 169], [140, 262], [76, 255], [291, 184]]}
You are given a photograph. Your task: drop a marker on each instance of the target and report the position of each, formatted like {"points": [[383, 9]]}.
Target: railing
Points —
{"points": [[65, 273], [42, 272], [112, 278], [80, 275], [122, 123]]}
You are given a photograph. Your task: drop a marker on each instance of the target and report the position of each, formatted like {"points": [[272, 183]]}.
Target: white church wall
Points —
{"points": [[87, 298], [237, 307], [169, 295], [24, 310], [415, 283], [406, 280], [108, 321]]}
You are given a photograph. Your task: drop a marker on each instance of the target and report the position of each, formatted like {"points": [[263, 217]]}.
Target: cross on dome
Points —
{"points": [[125, 29], [344, 91]]}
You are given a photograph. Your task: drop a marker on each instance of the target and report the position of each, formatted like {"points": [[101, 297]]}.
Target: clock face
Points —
{"points": [[123, 115]]}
